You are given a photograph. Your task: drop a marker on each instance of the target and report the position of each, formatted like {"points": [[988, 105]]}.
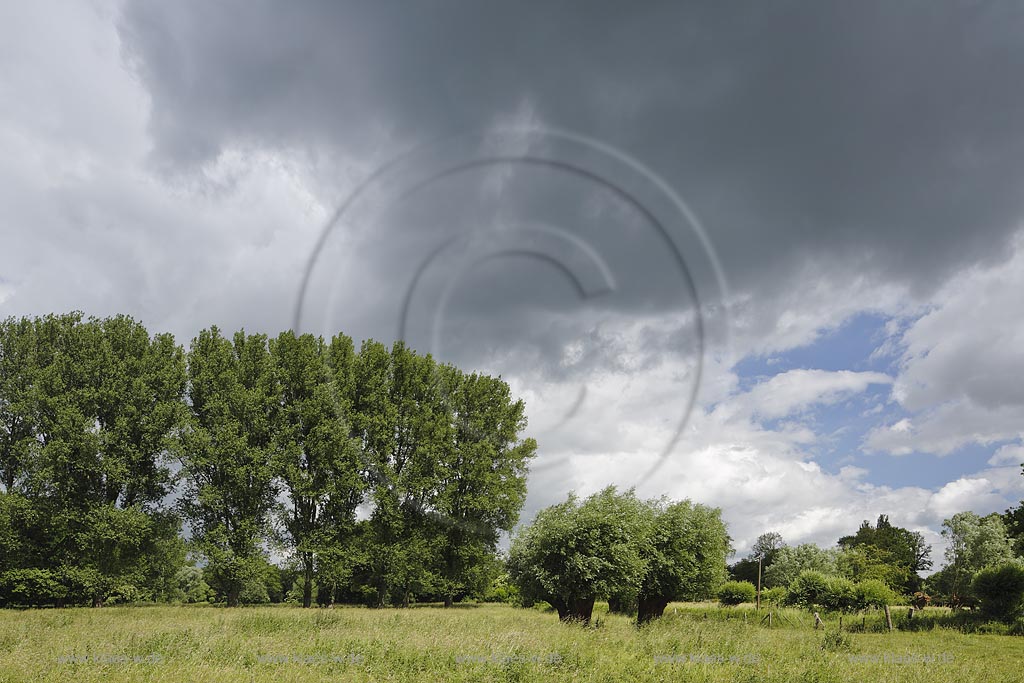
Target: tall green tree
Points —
{"points": [[974, 542], [226, 454], [101, 400], [761, 556], [903, 550], [315, 458], [480, 477], [18, 366]]}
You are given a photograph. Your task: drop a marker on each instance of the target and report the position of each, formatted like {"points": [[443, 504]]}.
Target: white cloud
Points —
{"points": [[796, 390], [1010, 454], [961, 364]]}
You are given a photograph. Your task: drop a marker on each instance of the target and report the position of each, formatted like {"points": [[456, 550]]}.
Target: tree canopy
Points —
{"points": [[111, 437], [616, 544]]}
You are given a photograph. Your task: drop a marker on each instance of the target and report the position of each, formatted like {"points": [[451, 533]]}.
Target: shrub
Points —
{"points": [[1000, 590], [502, 590], [840, 594], [808, 589], [874, 593], [775, 596], [737, 592], [30, 587], [836, 641]]}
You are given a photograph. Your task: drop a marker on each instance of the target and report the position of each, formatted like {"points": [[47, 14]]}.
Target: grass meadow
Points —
{"points": [[488, 642]]}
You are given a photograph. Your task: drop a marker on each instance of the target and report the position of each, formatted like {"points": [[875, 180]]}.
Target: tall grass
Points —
{"points": [[693, 642]]}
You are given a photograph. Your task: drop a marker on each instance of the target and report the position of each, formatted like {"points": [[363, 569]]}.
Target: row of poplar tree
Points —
{"points": [[380, 473]]}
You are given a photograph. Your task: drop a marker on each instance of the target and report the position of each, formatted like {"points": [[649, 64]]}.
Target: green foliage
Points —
{"points": [[766, 547], [809, 589], [616, 546], [840, 594], [447, 472], [790, 561], [874, 593], [314, 457], [975, 542], [226, 453], [890, 553], [684, 552], [1001, 590], [574, 552], [812, 589], [737, 592], [191, 587], [88, 408], [503, 590], [1013, 520], [778, 595], [30, 587]]}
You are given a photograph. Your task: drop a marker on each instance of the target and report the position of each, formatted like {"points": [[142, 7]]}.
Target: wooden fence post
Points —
{"points": [[888, 618]]}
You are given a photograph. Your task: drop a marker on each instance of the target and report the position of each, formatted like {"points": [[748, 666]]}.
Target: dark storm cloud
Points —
{"points": [[882, 135]]}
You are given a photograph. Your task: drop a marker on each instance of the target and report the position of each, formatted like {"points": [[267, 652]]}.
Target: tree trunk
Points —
{"points": [[576, 609], [448, 600], [649, 609], [307, 580], [233, 596]]}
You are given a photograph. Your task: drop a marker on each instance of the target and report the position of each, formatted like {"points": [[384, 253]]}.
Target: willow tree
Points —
{"points": [[684, 554], [574, 552]]}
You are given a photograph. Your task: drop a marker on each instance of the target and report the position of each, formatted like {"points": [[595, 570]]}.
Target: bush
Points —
{"points": [[1000, 590], [125, 594], [809, 589], [30, 587], [502, 590], [737, 592], [775, 596], [874, 593], [840, 594], [836, 641]]}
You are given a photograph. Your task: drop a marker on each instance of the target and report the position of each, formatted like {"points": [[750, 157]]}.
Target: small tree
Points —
{"points": [[1000, 589], [737, 592], [840, 594], [874, 593], [574, 552], [809, 589], [684, 556]]}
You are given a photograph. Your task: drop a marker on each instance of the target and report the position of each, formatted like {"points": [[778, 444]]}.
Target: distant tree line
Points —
{"points": [[383, 475], [880, 564]]}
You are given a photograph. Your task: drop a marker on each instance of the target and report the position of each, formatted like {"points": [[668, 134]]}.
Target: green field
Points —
{"points": [[482, 643]]}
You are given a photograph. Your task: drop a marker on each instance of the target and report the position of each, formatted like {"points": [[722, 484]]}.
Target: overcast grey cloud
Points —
{"points": [[180, 161]]}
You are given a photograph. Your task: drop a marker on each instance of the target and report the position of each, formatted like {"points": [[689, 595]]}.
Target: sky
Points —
{"points": [[766, 256]]}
